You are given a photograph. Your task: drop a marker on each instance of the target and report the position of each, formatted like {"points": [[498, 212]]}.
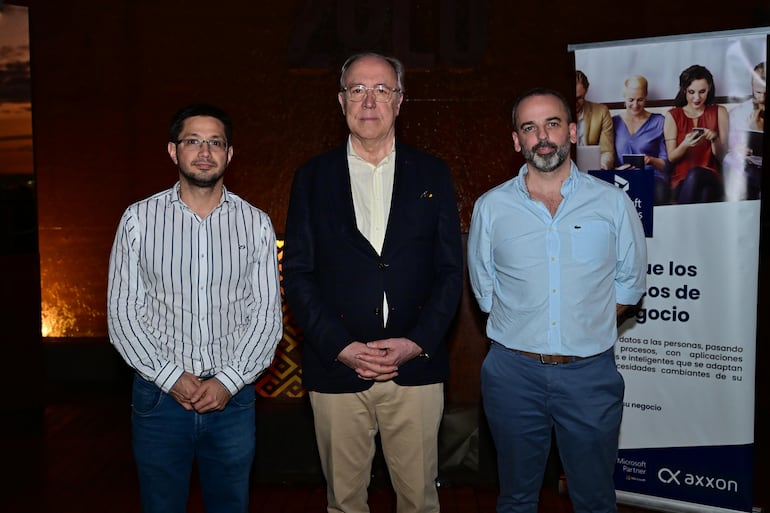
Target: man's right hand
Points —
{"points": [[372, 370], [184, 388]]}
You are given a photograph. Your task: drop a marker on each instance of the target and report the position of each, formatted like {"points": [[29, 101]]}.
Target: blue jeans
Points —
{"points": [[583, 401], [167, 438]]}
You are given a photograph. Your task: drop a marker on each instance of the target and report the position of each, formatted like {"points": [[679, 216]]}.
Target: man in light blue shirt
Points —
{"points": [[555, 257]]}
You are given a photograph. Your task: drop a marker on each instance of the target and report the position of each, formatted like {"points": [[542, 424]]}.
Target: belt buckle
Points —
{"points": [[546, 363]]}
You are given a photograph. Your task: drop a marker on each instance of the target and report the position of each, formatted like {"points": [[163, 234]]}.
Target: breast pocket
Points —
{"points": [[590, 241]]}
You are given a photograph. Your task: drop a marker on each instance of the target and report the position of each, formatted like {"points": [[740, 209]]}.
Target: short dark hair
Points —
{"points": [[687, 77], [541, 91], [200, 109]]}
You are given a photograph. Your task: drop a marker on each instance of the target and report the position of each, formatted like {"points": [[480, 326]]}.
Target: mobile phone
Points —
{"points": [[634, 160], [698, 131]]}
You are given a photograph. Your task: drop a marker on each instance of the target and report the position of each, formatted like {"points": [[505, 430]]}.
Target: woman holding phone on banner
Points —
{"points": [[639, 133], [696, 131]]}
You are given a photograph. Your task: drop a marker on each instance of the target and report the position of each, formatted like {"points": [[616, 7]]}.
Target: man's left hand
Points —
{"points": [[210, 396], [396, 351]]}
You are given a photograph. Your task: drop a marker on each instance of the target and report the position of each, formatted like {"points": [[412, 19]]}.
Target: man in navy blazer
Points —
{"points": [[373, 273]]}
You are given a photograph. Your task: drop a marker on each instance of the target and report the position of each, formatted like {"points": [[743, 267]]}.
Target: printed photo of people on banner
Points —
{"points": [[679, 123]]}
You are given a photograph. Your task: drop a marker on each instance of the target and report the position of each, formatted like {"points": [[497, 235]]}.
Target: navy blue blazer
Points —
{"points": [[334, 279]]}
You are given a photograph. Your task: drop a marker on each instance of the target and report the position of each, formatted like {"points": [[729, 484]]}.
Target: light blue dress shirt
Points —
{"points": [[551, 283]]}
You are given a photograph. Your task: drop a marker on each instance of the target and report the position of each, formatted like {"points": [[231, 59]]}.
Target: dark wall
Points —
{"points": [[108, 75]]}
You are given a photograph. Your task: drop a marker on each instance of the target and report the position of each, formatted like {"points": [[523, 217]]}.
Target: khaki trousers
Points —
{"points": [[407, 419]]}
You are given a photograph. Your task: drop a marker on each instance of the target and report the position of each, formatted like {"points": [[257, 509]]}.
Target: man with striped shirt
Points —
{"points": [[194, 308]]}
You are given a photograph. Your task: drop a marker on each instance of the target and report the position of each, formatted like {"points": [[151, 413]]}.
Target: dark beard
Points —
{"points": [[549, 163], [206, 182]]}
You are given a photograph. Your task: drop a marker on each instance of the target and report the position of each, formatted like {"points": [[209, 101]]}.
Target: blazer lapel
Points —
{"points": [[399, 203], [341, 201]]}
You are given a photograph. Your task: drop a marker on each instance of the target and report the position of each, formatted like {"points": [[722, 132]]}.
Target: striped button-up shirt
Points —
{"points": [[195, 295]]}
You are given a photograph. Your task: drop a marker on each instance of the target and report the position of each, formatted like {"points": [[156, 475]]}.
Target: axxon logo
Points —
{"points": [[676, 477]]}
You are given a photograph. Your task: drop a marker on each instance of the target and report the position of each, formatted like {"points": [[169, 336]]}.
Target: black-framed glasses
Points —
{"points": [[214, 144], [382, 93]]}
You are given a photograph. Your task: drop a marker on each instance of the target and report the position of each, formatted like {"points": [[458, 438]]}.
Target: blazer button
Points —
{"points": [[382, 266], [377, 311]]}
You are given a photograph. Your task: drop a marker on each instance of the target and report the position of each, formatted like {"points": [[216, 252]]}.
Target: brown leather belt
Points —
{"points": [[551, 359], [548, 359]]}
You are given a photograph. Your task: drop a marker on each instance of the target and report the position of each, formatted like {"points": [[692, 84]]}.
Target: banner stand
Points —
{"points": [[688, 358]]}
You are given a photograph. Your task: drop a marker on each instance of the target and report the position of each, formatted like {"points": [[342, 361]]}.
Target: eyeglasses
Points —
{"points": [[382, 93], [214, 144]]}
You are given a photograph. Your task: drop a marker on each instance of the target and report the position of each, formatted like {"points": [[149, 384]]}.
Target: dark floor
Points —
{"points": [[80, 462]]}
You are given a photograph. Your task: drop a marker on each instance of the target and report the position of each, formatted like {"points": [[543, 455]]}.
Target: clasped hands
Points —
{"points": [[379, 360], [201, 396]]}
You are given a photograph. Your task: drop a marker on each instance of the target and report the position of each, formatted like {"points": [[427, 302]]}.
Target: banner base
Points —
{"points": [[670, 505]]}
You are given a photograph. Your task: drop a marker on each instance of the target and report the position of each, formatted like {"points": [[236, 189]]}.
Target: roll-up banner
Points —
{"points": [[688, 358]]}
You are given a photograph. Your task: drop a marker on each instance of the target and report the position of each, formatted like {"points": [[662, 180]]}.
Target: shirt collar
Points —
{"points": [[569, 185], [176, 199], [352, 152]]}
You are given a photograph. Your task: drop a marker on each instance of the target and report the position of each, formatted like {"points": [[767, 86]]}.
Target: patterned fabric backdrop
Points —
{"points": [[283, 379]]}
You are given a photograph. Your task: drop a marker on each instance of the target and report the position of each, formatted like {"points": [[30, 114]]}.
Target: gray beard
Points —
{"points": [[543, 163]]}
